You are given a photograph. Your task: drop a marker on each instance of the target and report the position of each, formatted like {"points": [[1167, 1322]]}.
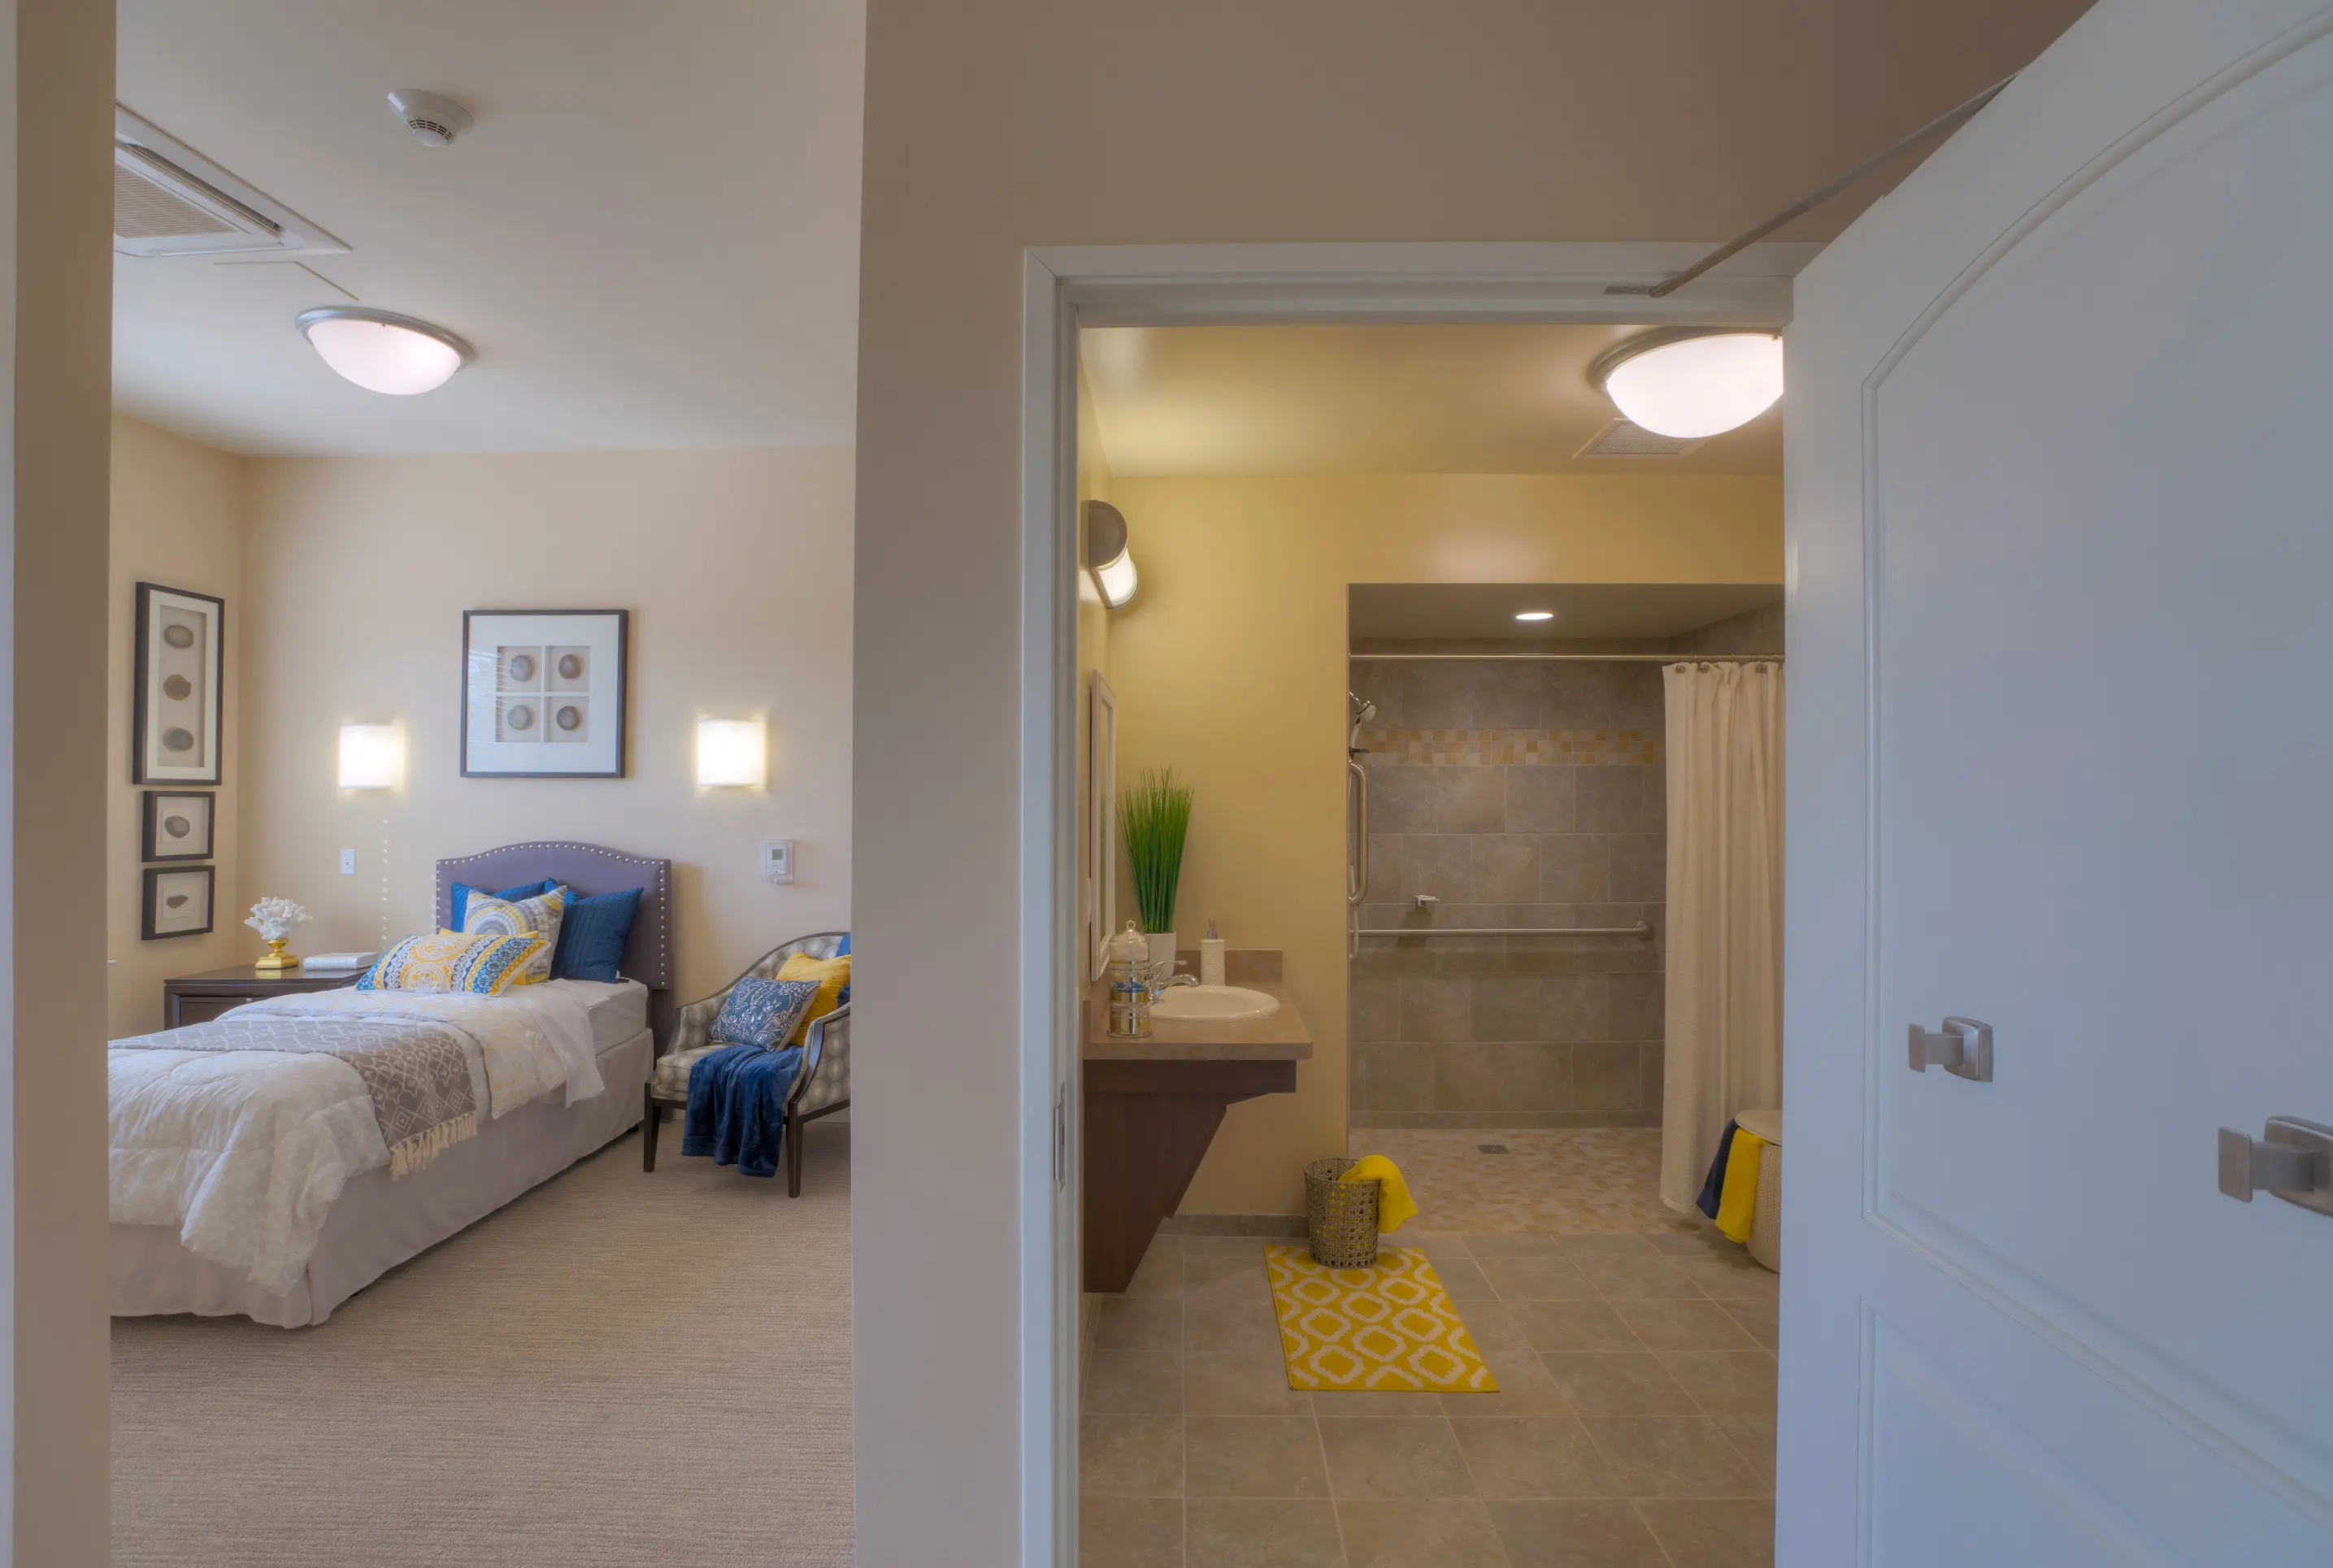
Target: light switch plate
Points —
{"points": [[348, 862], [778, 860]]}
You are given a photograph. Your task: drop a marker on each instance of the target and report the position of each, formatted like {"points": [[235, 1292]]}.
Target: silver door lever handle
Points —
{"points": [[2293, 1159], [1963, 1048]]}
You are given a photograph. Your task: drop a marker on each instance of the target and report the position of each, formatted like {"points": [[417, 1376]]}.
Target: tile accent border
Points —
{"points": [[1514, 748]]}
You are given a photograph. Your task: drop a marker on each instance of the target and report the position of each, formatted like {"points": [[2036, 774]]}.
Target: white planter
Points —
{"points": [[1162, 955]]}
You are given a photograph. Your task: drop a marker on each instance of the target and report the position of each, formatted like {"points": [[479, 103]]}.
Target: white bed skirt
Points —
{"points": [[376, 1224]]}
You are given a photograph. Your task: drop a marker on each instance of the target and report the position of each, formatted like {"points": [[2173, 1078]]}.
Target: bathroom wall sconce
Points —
{"points": [[1106, 555], [373, 756], [732, 753]]}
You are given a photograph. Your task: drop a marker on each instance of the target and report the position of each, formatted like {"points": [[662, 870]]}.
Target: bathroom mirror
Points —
{"points": [[1100, 889]]}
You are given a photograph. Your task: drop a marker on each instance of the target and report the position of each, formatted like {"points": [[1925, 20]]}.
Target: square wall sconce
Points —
{"points": [[732, 753], [373, 756]]}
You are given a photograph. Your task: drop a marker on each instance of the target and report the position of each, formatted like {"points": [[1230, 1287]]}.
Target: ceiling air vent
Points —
{"points": [[1624, 438], [169, 200]]}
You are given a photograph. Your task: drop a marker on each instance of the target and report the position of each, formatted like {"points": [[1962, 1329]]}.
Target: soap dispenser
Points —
{"points": [[1128, 956], [1211, 957]]}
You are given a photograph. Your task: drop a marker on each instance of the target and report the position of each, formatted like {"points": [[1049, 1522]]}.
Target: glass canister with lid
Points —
{"points": [[1128, 955]]}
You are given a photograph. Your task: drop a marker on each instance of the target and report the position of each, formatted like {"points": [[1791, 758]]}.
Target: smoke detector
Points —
{"points": [[434, 119]]}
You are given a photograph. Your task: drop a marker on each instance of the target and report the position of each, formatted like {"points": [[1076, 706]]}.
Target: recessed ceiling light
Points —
{"points": [[1534, 615], [1690, 383], [382, 352]]}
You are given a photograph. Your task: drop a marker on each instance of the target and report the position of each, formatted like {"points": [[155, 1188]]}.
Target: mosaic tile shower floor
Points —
{"points": [[1634, 1427], [1588, 1181]]}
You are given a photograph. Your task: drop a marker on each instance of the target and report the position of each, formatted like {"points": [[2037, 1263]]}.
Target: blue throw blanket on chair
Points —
{"points": [[736, 1106]]}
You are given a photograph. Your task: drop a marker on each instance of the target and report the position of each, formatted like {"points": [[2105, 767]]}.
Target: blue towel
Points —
{"points": [[1711, 1190], [736, 1106]]}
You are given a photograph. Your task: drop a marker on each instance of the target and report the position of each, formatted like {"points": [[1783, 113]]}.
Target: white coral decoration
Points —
{"points": [[277, 919]]}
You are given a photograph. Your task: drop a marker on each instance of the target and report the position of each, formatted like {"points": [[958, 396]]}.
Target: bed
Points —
{"points": [[605, 1037]]}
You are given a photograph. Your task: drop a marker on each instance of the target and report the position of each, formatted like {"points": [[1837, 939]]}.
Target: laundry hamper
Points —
{"points": [[1342, 1215], [1765, 1242]]}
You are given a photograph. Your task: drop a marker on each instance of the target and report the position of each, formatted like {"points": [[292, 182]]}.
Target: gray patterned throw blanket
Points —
{"points": [[418, 1074]]}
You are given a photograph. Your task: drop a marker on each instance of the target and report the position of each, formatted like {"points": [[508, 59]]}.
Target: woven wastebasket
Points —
{"points": [[1343, 1216]]}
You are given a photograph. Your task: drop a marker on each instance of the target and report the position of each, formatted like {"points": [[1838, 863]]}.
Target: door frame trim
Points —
{"points": [[1064, 288]]}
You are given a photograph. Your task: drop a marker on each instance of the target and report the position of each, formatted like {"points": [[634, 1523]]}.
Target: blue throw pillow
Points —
{"points": [[592, 934], [762, 1012], [844, 950], [462, 891]]}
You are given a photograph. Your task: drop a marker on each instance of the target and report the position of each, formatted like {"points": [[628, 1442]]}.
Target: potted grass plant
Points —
{"points": [[1154, 818]]}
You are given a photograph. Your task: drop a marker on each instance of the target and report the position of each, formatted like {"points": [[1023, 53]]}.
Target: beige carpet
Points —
{"points": [[616, 1369]]}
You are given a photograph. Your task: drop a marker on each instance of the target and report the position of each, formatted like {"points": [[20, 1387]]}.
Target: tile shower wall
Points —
{"points": [[1511, 795]]}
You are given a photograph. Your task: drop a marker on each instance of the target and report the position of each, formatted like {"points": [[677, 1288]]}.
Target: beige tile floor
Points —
{"points": [[1634, 1427]]}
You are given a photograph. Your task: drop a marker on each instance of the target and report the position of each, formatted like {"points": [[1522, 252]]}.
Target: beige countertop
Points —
{"points": [[1280, 1036]]}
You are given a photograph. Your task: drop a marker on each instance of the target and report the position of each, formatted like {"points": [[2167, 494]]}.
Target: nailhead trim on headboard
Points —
{"points": [[658, 872]]}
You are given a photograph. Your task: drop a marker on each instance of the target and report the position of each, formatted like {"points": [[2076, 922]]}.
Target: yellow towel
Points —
{"points": [[1394, 1206], [1737, 1205]]}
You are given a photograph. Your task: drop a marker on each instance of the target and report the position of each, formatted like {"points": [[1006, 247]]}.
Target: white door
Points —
{"points": [[2061, 495]]}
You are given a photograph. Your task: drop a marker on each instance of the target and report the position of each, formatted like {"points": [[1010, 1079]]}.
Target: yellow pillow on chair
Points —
{"points": [[831, 975]]}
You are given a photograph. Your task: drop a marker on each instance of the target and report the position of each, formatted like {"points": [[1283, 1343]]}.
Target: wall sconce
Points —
{"points": [[373, 756], [1106, 555], [732, 753]]}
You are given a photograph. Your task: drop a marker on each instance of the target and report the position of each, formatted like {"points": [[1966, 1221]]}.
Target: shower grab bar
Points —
{"points": [[1356, 837], [1641, 929]]}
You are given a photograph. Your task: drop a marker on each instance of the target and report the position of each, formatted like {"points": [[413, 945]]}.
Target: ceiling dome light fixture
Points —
{"points": [[383, 352], [1690, 382], [1534, 615]]}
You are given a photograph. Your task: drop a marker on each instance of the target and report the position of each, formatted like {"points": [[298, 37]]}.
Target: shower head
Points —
{"points": [[1364, 710]]}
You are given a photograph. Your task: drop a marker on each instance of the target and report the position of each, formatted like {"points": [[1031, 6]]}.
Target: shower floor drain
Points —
{"points": [[1492, 1147]]}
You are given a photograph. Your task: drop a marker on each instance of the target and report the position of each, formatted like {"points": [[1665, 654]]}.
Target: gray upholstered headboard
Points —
{"points": [[589, 869]]}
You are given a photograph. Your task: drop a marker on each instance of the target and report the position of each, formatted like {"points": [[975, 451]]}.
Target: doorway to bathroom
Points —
{"points": [[1397, 608]]}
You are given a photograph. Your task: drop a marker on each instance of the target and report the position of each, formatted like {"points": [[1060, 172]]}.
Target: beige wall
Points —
{"points": [[1231, 666], [736, 568], [177, 519], [995, 127], [59, 273]]}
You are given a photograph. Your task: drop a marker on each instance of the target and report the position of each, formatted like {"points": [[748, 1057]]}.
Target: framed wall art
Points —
{"points": [[177, 903], [181, 645], [179, 827], [542, 693]]}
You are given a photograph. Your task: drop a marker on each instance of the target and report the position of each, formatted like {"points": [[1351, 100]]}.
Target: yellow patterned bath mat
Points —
{"points": [[1391, 1327]]}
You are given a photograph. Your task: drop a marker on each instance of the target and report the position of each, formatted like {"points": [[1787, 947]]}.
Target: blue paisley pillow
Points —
{"points": [[762, 1012]]}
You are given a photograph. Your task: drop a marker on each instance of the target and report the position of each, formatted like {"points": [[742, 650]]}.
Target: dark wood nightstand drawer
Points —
{"points": [[199, 998]]}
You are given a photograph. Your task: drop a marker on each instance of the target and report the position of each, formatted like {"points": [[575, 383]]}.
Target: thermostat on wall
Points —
{"points": [[778, 860]]}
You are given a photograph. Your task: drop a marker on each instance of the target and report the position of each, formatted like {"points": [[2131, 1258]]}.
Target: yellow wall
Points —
{"points": [[1231, 666], [736, 568], [177, 519]]}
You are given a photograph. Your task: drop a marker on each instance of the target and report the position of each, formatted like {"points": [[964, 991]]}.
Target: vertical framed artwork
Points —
{"points": [[180, 645], [177, 903], [178, 826], [542, 693]]}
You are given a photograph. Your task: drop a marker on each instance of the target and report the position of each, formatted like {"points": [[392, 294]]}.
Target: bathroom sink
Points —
{"points": [[1213, 1004]]}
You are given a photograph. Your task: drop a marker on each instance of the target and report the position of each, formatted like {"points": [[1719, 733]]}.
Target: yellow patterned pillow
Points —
{"points": [[832, 975], [482, 964]]}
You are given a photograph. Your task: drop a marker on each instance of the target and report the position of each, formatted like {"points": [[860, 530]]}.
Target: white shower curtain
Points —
{"points": [[1724, 988]]}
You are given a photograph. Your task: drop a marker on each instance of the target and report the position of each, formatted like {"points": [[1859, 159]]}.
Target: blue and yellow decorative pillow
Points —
{"points": [[762, 1012], [538, 916], [483, 963]]}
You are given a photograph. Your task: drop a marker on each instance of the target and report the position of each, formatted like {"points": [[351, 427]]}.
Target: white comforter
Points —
{"points": [[245, 1152]]}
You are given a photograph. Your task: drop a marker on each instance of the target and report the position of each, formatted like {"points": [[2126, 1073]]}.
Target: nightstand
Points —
{"points": [[199, 998]]}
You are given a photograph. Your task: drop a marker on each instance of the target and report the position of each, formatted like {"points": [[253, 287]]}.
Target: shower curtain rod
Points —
{"points": [[1593, 658]]}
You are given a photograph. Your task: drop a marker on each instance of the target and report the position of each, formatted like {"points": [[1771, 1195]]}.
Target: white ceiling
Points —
{"points": [[651, 237], [1373, 399], [1472, 611]]}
